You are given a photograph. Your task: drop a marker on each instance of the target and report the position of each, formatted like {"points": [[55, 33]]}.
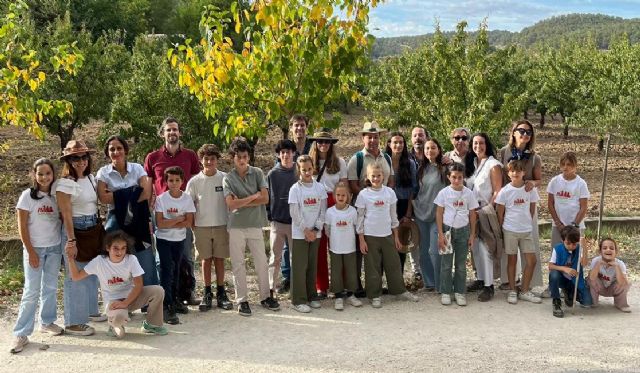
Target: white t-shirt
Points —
{"points": [[116, 279], [330, 180], [566, 196], [607, 274], [44, 219], [172, 208], [309, 202], [342, 224], [517, 202], [480, 181], [84, 200], [208, 198], [377, 205], [457, 205]]}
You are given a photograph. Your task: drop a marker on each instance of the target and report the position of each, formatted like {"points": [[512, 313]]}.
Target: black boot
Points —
{"points": [[207, 301], [169, 315], [223, 301], [180, 307], [485, 294], [557, 308], [284, 286], [475, 286]]}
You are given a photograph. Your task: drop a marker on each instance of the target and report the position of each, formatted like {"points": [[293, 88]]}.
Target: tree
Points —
{"points": [[297, 56], [23, 71]]}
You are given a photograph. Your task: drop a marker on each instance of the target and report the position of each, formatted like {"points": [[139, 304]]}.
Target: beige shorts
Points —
{"points": [[212, 242], [513, 241]]}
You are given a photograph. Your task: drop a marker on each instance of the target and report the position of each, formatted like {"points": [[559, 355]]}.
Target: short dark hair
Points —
{"points": [[120, 139], [174, 170], [114, 236], [569, 157], [516, 165], [208, 150], [299, 117], [166, 121], [570, 233], [238, 145], [286, 144], [455, 167]]}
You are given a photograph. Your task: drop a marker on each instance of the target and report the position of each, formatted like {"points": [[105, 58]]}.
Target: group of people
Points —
{"points": [[326, 217]]}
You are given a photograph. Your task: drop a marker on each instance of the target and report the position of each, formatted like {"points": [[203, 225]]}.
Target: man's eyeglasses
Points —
{"points": [[524, 132], [458, 138]]}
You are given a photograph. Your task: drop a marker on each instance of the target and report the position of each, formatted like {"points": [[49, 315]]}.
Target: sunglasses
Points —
{"points": [[458, 138], [76, 158], [321, 142], [524, 132]]}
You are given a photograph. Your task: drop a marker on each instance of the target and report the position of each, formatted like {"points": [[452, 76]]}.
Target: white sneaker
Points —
{"points": [[445, 299], [18, 344], [626, 309], [303, 308], [355, 302], [529, 297], [376, 302], [52, 329], [408, 296], [339, 305], [315, 304], [461, 300], [512, 298]]}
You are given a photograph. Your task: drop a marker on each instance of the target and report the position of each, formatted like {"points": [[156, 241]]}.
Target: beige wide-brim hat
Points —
{"points": [[74, 147], [372, 127], [409, 235], [323, 134]]}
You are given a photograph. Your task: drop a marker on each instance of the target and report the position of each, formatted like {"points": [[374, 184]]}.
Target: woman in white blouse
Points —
{"points": [[329, 169]]}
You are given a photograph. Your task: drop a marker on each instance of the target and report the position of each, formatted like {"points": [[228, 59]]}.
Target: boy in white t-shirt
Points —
{"points": [[120, 277], [568, 196], [339, 226], [608, 276], [174, 214], [210, 226], [516, 208]]}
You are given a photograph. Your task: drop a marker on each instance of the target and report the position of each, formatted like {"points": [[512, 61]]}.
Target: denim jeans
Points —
{"points": [[460, 241], [170, 253], [80, 297], [111, 224], [558, 281], [429, 256], [285, 266], [187, 255], [41, 282]]}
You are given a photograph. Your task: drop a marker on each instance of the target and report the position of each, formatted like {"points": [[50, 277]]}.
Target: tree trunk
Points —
{"points": [[542, 115], [600, 144], [347, 109], [604, 184], [65, 133], [285, 132], [252, 153], [525, 114], [565, 131]]}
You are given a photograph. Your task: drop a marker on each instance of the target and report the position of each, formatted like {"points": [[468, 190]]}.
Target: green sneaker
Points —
{"points": [[157, 330]]}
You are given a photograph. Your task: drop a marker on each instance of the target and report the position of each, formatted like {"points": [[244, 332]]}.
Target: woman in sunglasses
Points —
{"points": [[328, 170], [78, 204], [521, 146]]}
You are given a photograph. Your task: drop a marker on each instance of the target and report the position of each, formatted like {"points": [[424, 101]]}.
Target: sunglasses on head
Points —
{"points": [[524, 132], [320, 142], [78, 158], [463, 138]]}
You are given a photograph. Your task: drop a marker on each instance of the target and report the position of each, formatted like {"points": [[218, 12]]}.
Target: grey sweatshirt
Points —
{"points": [[280, 180]]}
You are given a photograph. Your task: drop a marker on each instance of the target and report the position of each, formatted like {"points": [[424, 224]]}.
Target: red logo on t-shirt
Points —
{"points": [[341, 223], [458, 203], [310, 202], [563, 194], [604, 277], [519, 201], [378, 203], [45, 210], [172, 210], [115, 280]]}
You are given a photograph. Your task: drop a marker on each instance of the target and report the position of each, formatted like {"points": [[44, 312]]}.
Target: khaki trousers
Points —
{"points": [[239, 240]]}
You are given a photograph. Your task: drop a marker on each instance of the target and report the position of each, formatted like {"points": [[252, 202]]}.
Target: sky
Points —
{"points": [[416, 17]]}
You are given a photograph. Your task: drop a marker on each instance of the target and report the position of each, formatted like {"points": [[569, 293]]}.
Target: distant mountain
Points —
{"points": [[552, 31]]}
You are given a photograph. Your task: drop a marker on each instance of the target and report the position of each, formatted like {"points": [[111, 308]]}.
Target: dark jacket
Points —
{"points": [[133, 217], [279, 181]]}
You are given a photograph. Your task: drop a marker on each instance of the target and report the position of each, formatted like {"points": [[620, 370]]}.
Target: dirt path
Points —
{"points": [[402, 336]]}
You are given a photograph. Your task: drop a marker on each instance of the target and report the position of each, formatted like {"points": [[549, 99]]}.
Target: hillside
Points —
{"points": [[553, 31]]}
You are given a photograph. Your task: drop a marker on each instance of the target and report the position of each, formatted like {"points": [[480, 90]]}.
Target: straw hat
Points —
{"points": [[323, 134], [372, 127], [75, 147], [409, 235]]}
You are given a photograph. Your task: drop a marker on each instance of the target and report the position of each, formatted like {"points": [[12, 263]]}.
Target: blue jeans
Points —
{"points": [[285, 267], [111, 224], [557, 281], [80, 297], [41, 282], [187, 255], [460, 241], [429, 256], [170, 253]]}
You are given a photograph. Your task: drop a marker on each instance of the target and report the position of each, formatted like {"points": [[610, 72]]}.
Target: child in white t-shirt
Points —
{"points": [[377, 229], [174, 214], [455, 213], [39, 228], [339, 226], [120, 276], [516, 208], [608, 276], [307, 206], [568, 196]]}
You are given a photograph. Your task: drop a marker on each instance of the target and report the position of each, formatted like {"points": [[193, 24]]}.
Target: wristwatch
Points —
{"points": [[574, 224]]}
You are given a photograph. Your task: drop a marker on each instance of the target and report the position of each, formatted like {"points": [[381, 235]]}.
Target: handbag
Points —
{"points": [[89, 241]]}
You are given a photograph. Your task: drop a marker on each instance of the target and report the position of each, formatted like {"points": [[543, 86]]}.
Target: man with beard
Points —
{"points": [[460, 141], [173, 154], [419, 137]]}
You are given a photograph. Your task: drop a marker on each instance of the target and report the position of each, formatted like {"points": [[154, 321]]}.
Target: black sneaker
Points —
{"points": [[557, 308], [321, 295], [477, 285], [485, 294], [207, 302], [169, 315], [417, 276], [568, 298], [223, 301], [181, 308], [244, 309], [270, 303], [284, 287], [192, 301], [360, 293]]}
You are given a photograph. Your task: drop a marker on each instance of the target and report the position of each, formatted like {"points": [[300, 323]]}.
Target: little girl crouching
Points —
{"points": [[608, 276], [120, 277]]}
